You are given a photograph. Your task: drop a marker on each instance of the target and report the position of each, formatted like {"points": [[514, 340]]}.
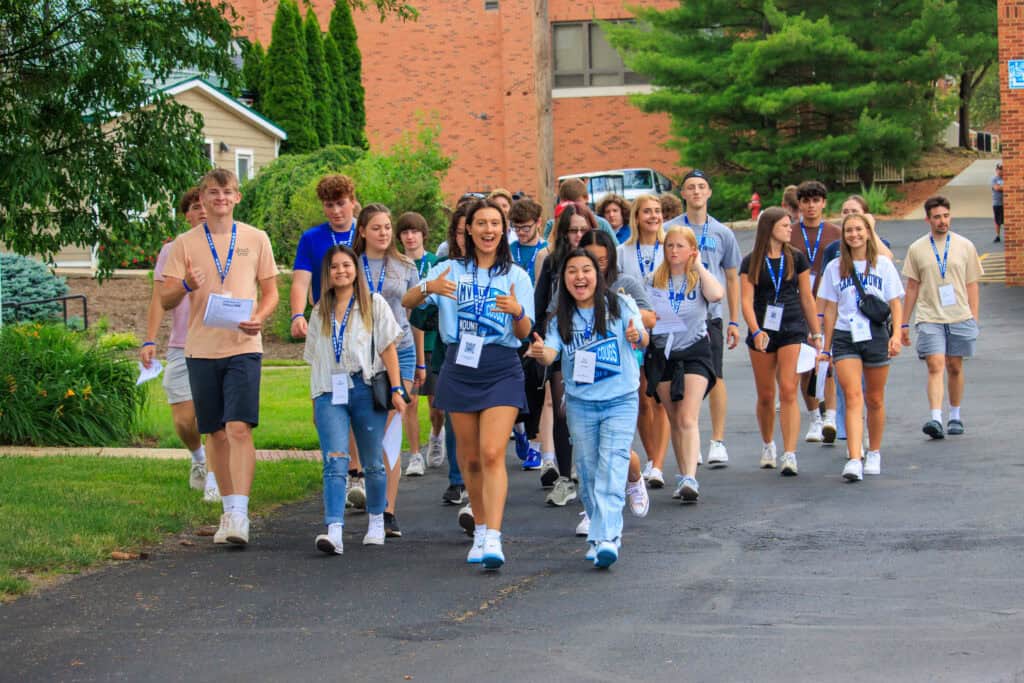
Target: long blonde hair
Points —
{"points": [[663, 271], [634, 222], [870, 246], [360, 290]]}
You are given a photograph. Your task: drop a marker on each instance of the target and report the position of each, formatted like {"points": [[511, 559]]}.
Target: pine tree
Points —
{"points": [[338, 94], [766, 93], [319, 78], [254, 60], [288, 93], [343, 29], [978, 46]]}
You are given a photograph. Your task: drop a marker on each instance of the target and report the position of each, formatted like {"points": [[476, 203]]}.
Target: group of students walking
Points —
{"points": [[611, 327]]}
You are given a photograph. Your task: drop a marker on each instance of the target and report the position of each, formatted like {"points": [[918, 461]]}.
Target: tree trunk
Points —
{"points": [[964, 114]]}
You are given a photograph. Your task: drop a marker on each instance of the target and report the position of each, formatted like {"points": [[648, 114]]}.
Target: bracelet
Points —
{"points": [[905, 326], [827, 353], [522, 313], [395, 390], [298, 315], [733, 323], [818, 335], [185, 285], [753, 335], [821, 315], [145, 344], [421, 367]]}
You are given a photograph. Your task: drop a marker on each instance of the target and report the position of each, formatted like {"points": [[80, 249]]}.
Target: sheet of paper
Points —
{"points": [[152, 372], [226, 312], [393, 442], [819, 386], [805, 361], [668, 320]]}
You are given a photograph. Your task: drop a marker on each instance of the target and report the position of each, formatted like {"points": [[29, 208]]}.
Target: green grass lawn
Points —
{"points": [[61, 514], [286, 414]]}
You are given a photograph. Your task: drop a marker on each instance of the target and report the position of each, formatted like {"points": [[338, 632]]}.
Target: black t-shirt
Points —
{"points": [[789, 293]]}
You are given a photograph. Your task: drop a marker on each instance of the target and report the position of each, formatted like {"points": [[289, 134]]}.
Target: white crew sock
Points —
{"points": [[228, 502], [768, 444], [211, 480], [493, 535], [548, 457], [535, 445], [519, 428], [199, 455], [954, 412], [937, 415], [242, 505], [813, 413], [479, 529], [830, 416]]}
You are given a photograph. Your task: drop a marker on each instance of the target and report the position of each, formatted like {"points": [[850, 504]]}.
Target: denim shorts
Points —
{"points": [[953, 339], [873, 353], [407, 362]]}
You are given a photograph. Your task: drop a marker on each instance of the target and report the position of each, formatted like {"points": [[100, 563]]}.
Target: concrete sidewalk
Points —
{"points": [[969, 193], [156, 453]]}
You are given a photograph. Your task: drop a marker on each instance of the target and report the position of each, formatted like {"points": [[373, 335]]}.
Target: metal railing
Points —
{"points": [[64, 300]]}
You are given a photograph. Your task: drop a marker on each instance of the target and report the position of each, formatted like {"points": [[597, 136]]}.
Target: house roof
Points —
{"points": [[229, 102]]}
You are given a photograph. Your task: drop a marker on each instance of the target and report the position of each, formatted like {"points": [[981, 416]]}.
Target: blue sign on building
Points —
{"points": [[1015, 68]]}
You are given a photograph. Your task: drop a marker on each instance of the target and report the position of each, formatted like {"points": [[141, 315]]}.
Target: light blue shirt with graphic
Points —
{"points": [[475, 313], [617, 372]]}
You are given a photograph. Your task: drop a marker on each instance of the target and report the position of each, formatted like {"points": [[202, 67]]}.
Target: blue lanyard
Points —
{"points": [[776, 278], [338, 338], [423, 266], [347, 241], [676, 296], [231, 251], [640, 261], [811, 253], [703, 233], [369, 275], [519, 257], [479, 301], [945, 255], [588, 325]]}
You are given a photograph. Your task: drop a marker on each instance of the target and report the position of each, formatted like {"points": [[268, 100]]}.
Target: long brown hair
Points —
{"points": [[359, 243], [663, 272], [765, 224], [360, 290], [870, 247]]}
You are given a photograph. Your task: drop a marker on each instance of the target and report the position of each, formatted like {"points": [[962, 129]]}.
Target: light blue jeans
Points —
{"points": [[332, 426], [602, 434]]}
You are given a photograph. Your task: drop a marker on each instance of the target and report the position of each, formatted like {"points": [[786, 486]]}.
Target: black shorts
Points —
{"points": [[693, 360], [225, 390], [427, 388], [776, 340], [873, 353], [997, 213], [717, 337]]}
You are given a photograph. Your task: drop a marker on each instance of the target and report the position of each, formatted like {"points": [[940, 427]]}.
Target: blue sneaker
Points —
{"points": [[532, 461], [493, 558], [607, 553], [522, 445]]}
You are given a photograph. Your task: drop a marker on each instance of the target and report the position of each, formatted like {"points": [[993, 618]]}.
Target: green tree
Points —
{"points": [[978, 44], [764, 93], [320, 77], [80, 113], [288, 92], [254, 58], [338, 102], [343, 28]]}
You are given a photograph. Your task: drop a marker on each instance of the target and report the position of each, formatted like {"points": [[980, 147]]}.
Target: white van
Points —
{"points": [[640, 181], [599, 184]]}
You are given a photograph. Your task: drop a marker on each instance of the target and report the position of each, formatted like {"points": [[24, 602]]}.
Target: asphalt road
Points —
{"points": [[911, 576]]}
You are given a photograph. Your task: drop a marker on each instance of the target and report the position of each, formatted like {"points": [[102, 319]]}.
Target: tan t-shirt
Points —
{"points": [[253, 261], [962, 268], [829, 234]]}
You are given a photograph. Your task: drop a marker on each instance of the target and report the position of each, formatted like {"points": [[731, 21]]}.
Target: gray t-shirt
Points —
{"points": [[719, 251], [692, 308], [399, 279], [997, 197], [627, 284]]}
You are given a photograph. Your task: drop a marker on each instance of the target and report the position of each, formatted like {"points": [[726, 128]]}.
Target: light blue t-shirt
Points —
{"points": [[455, 316], [617, 372], [692, 309]]}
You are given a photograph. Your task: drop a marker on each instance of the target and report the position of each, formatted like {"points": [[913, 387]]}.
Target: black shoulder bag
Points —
{"points": [[380, 385], [874, 308]]}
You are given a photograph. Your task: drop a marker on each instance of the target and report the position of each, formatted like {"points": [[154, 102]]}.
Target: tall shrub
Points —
{"points": [[320, 79], [338, 97], [288, 95], [254, 61], [343, 28], [24, 279]]}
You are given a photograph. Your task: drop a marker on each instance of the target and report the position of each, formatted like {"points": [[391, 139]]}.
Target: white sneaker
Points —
{"points": [[476, 552], [374, 530], [656, 480], [493, 556], [356, 496], [583, 528], [639, 501], [211, 494], [197, 476], [591, 552], [814, 431], [768, 456], [221, 535], [466, 519], [828, 430], [416, 466], [238, 529], [331, 542], [873, 463], [789, 468], [564, 491], [645, 473], [435, 451], [717, 455], [853, 470]]}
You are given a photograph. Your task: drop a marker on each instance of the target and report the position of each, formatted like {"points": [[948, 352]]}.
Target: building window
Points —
{"points": [[490, 5], [208, 151], [584, 58], [244, 164]]}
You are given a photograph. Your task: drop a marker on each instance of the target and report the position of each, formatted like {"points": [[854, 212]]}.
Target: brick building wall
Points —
{"points": [[476, 71], [1011, 46]]}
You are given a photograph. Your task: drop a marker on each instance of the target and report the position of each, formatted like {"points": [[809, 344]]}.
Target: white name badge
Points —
{"points": [[339, 389], [584, 366], [814, 279], [860, 328], [947, 297], [470, 348], [772, 317]]}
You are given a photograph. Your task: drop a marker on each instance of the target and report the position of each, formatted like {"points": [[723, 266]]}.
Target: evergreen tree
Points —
{"points": [[978, 44], [320, 79], [766, 93], [288, 93], [343, 29], [254, 58], [339, 95]]}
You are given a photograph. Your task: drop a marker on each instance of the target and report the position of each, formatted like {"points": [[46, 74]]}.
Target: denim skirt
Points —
{"points": [[498, 380]]}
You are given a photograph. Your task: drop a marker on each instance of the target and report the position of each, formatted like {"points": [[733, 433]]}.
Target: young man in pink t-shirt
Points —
{"points": [[175, 382]]}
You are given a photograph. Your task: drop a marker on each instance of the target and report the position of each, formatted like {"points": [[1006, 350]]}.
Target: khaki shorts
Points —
{"points": [[175, 381]]}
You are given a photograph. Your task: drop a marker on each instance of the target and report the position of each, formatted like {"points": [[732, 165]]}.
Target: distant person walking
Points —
{"points": [[997, 199]]}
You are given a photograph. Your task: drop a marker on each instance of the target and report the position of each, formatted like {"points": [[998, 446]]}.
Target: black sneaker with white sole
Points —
{"points": [[391, 529], [455, 494]]}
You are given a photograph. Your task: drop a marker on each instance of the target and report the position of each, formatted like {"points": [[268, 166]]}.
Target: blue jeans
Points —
{"points": [[602, 434], [454, 475], [332, 426], [407, 362]]}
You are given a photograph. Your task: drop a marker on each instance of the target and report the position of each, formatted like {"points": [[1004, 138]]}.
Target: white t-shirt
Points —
{"points": [[883, 280]]}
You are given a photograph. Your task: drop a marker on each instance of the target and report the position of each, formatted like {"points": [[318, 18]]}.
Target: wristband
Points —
{"points": [[522, 313], [395, 390], [754, 334], [827, 353], [818, 335], [185, 285], [733, 323], [905, 326], [821, 315], [421, 367], [145, 344], [298, 315]]}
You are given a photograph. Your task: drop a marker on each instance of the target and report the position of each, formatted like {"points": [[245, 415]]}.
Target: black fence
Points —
{"points": [[63, 299]]}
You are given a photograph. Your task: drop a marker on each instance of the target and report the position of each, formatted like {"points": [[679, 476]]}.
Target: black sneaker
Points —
{"points": [[955, 428], [391, 529], [933, 428], [997, 239], [549, 477], [455, 494]]}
